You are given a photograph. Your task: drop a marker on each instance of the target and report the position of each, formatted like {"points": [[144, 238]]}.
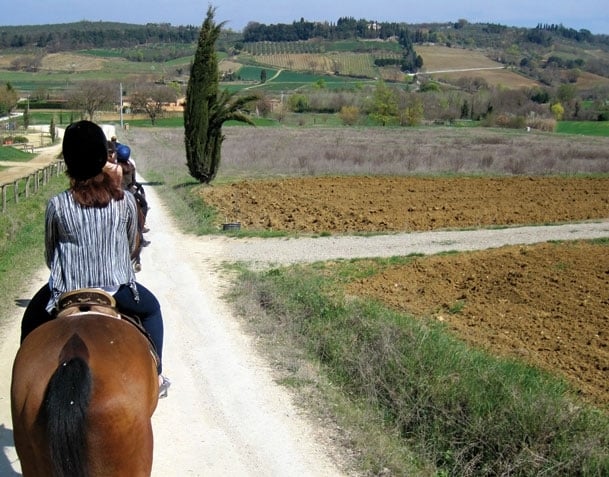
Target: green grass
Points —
{"points": [[103, 53], [252, 73], [22, 242], [115, 69], [23, 81], [292, 80], [177, 121], [13, 154], [319, 119], [586, 128], [173, 121], [458, 411]]}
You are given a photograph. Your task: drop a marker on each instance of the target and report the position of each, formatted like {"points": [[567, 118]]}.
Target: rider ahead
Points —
{"points": [[90, 233]]}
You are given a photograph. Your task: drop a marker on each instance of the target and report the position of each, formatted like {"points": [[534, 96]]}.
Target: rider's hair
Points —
{"points": [[97, 191]]}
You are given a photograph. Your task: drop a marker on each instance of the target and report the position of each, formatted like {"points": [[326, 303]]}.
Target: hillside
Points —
{"points": [[528, 51], [466, 69]]}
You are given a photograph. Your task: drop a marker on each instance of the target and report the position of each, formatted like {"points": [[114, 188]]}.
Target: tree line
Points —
{"points": [[85, 34], [302, 30], [581, 35], [345, 28]]}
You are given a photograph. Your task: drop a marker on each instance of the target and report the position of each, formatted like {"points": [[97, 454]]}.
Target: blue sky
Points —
{"points": [[589, 14]]}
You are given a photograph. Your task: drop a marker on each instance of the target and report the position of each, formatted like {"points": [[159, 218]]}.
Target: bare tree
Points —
{"points": [[152, 99], [91, 96]]}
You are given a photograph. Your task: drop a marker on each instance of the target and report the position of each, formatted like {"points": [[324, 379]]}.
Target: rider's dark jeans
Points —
{"points": [[147, 309]]}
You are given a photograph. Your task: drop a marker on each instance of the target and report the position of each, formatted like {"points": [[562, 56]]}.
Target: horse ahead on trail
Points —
{"points": [[84, 388]]}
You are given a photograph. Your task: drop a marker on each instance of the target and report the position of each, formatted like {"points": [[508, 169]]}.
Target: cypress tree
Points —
{"points": [[206, 109], [200, 97]]}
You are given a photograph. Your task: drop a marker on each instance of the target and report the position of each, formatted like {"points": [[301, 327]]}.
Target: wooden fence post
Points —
{"points": [[40, 178]]}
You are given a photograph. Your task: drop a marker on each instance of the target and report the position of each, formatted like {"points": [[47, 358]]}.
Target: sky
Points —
{"points": [[587, 14]]}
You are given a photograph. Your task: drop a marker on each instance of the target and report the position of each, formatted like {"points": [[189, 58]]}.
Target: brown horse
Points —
{"points": [[83, 391], [142, 210]]}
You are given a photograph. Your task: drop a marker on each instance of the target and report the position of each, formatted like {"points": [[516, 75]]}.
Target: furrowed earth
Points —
{"points": [[547, 304]]}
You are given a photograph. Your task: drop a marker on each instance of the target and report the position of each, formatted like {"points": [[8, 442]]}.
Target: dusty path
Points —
{"points": [[224, 414], [44, 156], [263, 252], [17, 170]]}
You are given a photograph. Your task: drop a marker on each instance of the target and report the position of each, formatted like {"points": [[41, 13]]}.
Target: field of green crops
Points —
{"points": [[585, 128]]}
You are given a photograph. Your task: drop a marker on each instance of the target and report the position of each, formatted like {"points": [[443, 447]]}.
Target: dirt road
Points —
{"points": [[225, 415]]}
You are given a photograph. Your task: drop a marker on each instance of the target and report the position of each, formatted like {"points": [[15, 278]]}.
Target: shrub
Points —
{"points": [[349, 115], [298, 103], [542, 124], [14, 140], [509, 121]]}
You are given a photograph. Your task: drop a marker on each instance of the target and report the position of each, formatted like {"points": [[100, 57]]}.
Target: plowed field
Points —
{"points": [[547, 304]]}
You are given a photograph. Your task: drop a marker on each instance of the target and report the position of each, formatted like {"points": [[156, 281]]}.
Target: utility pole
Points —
{"points": [[120, 102]]}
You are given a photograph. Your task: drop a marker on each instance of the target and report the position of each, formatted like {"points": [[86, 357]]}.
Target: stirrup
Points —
{"points": [[163, 387]]}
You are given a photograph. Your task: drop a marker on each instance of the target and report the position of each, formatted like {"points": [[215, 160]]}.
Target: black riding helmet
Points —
{"points": [[85, 149]]}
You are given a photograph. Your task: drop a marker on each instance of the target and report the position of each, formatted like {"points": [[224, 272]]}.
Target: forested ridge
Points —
{"points": [[86, 34], [100, 34]]}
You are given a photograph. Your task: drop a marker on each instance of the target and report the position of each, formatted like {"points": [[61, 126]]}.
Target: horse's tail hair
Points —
{"points": [[65, 408]]}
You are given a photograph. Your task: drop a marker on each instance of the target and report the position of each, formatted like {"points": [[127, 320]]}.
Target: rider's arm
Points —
{"points": [[50, 233], [132, 221]]}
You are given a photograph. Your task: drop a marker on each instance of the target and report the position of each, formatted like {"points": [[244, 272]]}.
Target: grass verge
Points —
{"points": [[22, 241], [441, 408], [8, 153]]}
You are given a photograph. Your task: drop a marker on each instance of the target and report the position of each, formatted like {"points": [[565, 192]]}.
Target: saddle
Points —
{"points": [[93, 300], [87, 300]]}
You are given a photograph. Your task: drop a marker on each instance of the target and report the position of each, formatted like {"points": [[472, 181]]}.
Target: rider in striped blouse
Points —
{"points": [[90, 234]]}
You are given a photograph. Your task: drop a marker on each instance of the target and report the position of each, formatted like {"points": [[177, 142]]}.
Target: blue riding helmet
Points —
{"points": [[122, 153]]}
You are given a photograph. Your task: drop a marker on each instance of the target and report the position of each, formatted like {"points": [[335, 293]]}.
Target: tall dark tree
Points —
{"points": [[26, 116], [8, 99], [52, 130], [207, 108]]}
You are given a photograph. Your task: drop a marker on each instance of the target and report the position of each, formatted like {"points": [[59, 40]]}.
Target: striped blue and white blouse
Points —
{"points": [[89, 247]]}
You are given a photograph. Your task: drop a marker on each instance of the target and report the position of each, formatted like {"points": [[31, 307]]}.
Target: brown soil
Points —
{"points": [[547, 304]]}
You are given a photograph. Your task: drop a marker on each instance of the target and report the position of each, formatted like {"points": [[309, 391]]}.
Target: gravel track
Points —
{"points": [[225, 415], [264, 252]]}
